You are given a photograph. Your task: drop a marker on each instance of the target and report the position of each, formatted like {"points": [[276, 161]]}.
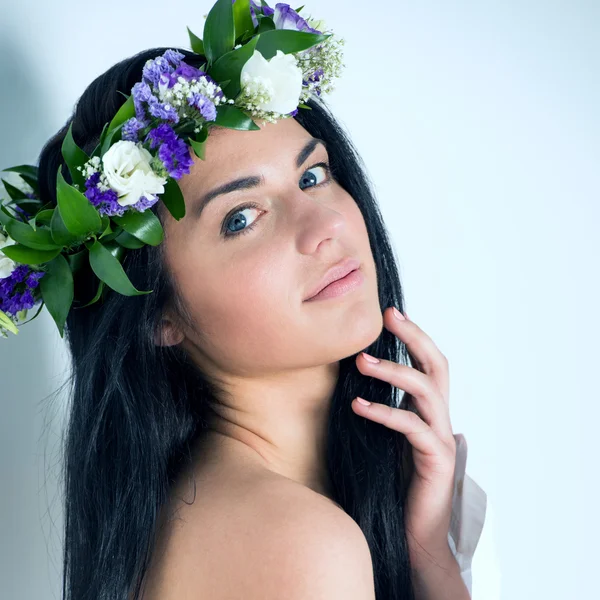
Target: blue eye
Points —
{"points": [[307, 178], [312, 178], [241, 221]]}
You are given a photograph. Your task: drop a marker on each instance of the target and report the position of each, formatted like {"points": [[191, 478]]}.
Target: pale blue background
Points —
{"points": [[478, 122]]}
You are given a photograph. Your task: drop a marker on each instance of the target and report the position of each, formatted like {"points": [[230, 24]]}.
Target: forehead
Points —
{"points": [[230, 152]]}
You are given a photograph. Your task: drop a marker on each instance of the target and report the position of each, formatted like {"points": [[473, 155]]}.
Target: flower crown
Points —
{"points": [[261, 62]]}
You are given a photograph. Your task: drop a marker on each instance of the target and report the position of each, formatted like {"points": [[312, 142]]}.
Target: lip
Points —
{"points": [[339, 271]]}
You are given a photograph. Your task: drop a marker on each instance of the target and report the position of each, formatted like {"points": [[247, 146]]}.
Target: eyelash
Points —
{"points": [[242, 207]]}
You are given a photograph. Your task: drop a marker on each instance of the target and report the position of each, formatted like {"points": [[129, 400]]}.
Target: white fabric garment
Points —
{"points": [[470, 510]]}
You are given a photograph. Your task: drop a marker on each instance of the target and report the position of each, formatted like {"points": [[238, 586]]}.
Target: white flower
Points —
{"points": [[127, 169], [7, 265], [281, 74]]}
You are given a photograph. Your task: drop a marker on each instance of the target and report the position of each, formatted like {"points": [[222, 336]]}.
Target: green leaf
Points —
{"points": [[304, 106], [143, 225], [112, 136], [32, 181], [57, 290], [232, 117], [105, 227], [219, 30], [109, 269], [128, 241], [173, 197], [14, 193], [60, 234], [34, 316], [31, 206], [229, 66], [29, 174], [198, 142], [29, 256], [74, 157], [299, 9], [199, 148], [265, 23], [43, 216], [113, 131], [242, 18], [38, 239], [7, 323], [125, 112], [196, 43], [78, 213], [78, 260], [288, 41], [30, 170]]}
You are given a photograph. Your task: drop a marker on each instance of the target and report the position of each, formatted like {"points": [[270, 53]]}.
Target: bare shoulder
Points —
{"points": [[270, 540], [307, 547]]}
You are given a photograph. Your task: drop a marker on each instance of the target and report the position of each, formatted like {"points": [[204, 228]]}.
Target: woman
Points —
{"points": [[216, 445]]}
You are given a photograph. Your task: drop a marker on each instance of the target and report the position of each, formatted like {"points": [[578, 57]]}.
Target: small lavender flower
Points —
{"points": [[143, 203], [16, 290], [174, 57], [141, 92], [173, 151], [131, 128], [153, 69], [162, 110], [204, 105], [188, 72]]}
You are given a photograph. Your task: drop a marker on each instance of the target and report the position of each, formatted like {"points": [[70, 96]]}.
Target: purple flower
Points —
{"points": [[104, 201], [183, 70], [131, 128], [173, 151], [143, 203], [253, 9], [174, 57], [16, 289], [316, 76], [164, 111], [261, 10], [153, 69], [287, 18], [141, 92], [21, 211], [204, 105]]}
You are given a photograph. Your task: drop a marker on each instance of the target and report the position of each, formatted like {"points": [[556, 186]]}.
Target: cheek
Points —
{"points": [[241, 306]]}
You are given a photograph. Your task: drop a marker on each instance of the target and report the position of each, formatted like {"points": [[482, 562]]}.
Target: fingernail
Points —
{"points": [[370, 358], [363, 401], [398, 314]]}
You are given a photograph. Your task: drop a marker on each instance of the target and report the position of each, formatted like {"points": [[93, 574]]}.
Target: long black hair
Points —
{"points": [[136, 408]]}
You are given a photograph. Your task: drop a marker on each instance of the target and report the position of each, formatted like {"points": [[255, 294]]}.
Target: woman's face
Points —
{"points": [[246, 290]]}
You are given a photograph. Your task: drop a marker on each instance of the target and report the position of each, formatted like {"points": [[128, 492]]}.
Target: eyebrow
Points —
{"points": [[246, 183]]}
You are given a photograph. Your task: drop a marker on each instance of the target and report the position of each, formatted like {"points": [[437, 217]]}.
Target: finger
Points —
{"points": [[422, 347], [420, 435], [427, 397]]}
